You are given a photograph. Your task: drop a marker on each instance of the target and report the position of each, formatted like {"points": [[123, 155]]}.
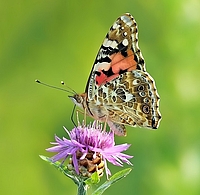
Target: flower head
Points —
{"points": [[90, 148]]}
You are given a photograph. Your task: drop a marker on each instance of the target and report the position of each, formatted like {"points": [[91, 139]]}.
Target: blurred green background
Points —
{"points": [[58, 40]]}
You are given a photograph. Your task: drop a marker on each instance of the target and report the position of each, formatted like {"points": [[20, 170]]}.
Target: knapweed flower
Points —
{"points": [[89, 149]]}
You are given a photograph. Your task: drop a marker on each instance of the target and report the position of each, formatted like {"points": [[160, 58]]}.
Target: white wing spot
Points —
{"points": [[106, 42], [113, 44], [110, 43], [125, 42], [115, 25], [125, 34], [136, 81], [129, 97], [127, 20]]}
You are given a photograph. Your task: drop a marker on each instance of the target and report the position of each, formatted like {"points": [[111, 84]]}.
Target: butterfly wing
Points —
{"points": [[119, 86], [119, 53], [132, 99]]}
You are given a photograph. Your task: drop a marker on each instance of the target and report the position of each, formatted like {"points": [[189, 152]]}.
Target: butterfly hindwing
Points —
{"points": [[132, 99]]}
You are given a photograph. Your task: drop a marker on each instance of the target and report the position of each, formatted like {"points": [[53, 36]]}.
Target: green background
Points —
{"points": [[58, 40]]}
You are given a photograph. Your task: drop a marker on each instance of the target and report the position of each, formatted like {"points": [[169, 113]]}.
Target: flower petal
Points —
{"points": [[90, 139]]}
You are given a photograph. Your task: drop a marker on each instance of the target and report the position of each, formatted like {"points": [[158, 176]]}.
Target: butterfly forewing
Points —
{"points": [[118, 53]]}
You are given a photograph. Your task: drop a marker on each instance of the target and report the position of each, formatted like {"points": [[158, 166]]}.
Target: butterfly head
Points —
{"points": [[78, 99]]}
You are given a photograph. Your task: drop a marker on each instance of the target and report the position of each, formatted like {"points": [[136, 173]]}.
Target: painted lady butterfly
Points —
{"points": [[119, 91]]}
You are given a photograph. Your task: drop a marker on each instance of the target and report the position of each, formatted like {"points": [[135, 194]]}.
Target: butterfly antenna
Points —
{"points": [[51, 86], [63, 83]]}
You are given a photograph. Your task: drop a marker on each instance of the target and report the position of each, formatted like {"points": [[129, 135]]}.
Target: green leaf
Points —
{"points": [[94, 179], [116, 177], [63, 169]]}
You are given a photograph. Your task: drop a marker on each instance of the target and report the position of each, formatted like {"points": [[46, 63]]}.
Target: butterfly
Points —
{"points": [[119, 91]]}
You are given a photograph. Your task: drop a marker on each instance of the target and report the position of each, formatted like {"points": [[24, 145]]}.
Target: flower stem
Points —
{"points": [[82, 188]]}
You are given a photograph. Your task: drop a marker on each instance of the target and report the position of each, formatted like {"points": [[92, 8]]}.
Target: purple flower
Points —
{"points": [[90, 147]]}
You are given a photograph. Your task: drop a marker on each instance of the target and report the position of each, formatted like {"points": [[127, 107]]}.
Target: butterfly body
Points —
{"points": [[119, 91]]}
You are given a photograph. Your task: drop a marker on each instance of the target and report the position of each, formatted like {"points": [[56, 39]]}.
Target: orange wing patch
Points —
{"points": [[119, 64]]}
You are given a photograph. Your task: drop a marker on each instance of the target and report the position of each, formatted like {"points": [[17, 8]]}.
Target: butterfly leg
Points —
{"points": [[77, 116], [105, 124], [72, 116], [85, 116]]}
